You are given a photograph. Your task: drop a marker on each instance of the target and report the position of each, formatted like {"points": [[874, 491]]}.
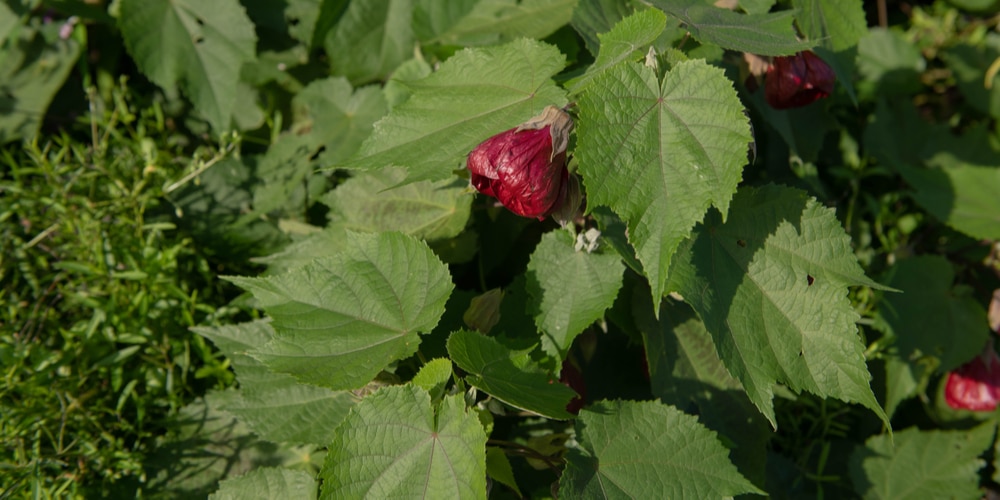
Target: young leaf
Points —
{"points": [[498, 88], [771, 286], [341, 319], [433, 377], [427, 210], [659, 154], [394, 445], [921, 464], [932, 317], [270, 482], [834, 24], [336, 116], [625, 41], [571, 289], [592, 17], [498, 467], [274, 405], [370, 40], [647, 449], [764, 34], [200, 45], [508, 375]]}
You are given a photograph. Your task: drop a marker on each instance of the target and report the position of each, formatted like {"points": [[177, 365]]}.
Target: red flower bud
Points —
{"points": [[525, 167], [571, 377], [975, 385], [795, 81]]}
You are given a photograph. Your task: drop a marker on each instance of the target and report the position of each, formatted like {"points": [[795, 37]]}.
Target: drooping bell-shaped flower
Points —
{"points": [[975, 385], [525, 167], [798, 80]]}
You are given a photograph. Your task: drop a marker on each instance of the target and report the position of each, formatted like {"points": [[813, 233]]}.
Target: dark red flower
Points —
{"points": [[975, 385], [571, 377], [525, 167], [795, 81]]}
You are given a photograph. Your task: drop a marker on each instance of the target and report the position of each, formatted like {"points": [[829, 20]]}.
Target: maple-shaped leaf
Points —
{"points": [[660, 153], [646, 449], [341, 319], [395, 444], [770, 284]]}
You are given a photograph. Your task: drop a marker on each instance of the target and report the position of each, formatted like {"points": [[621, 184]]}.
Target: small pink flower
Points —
{"points": [[798, 80], [525, 167], [975, 385]]}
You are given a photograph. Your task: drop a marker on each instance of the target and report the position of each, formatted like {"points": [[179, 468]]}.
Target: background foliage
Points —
{"points": [[754, 302]]}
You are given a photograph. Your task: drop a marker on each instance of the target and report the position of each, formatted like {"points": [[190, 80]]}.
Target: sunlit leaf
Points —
{"points": [[393, 444], [660, 153], [341, 319]]}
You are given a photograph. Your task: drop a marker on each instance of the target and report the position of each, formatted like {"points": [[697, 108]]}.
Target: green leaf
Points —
{"points": [[659, 154], [571, 289], [330, 240], [274, 405], [397, 89], [961, 178], [646, 449], [394, 445], [433, 18], [433, 377], [624, 42], [341, 319], [933, 317], [268, 482], [333, 115], [498, 467], [756, 6], [207, 445], [498, 88], [285, 172], [685, 371], [921, 464], [834, 24], [902, 381], [310, 20], [486, 22], [771, 285], [9, 20], [598, 16], [508, 375], [427, 210], [370, 40], [890, 64], [32, 69], [763, 34], [963, 196], [803, 129], [198, 45], [967, 62]]}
